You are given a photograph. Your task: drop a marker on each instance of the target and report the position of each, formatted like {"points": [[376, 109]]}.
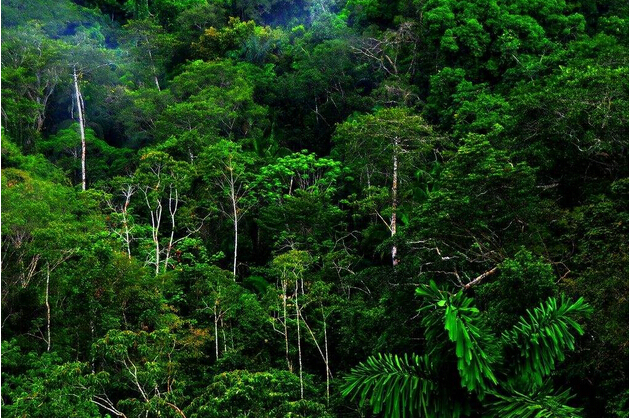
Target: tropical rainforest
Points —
{"points": [[315, 208]]}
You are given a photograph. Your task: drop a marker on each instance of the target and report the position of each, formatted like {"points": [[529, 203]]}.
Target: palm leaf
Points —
{"points": [[397, 386], [454, 317], [542, 403], [541, 339]]}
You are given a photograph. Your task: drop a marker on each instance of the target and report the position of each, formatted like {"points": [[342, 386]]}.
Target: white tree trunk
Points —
{"points": [[235, 214], [79, 101], [153, 69], [328, 373], [394, 201], [172, 208], [48, 342], [156, 219], [297, 317], [127, 193], [323, 354], [286, 330], [216, 333], [223, 332]]}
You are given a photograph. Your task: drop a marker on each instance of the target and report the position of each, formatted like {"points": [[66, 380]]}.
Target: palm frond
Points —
{"points": [[457, 315], [397, 386], [542, 338], [542, 403]]}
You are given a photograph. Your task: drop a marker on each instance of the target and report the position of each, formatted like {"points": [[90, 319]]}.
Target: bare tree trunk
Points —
{"points": [[286, 330], [92, 329], [235, 214], [127, 239], [79, 101], [157, 251], [327, 361], [156, 219], [179, 411], [128, 193], [216, 333], [323, 354], [223, 332], [297, 317], [394, 200], [172, 208], [48, 342], [153, 69]]}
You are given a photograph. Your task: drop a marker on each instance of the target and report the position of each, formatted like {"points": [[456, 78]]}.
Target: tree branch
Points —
{"points": [[480, 278]]}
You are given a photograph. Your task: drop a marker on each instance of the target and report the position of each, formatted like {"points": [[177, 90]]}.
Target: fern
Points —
{"points": [[542, 403], [397, 386], [542, 338]]}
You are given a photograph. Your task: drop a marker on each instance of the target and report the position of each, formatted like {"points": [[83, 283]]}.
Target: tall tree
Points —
{"points": [[86, 58], [147, 41], [229, 168], [386, 147], [162, 183]]}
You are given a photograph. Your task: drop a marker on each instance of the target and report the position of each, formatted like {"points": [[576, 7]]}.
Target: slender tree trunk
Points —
{"points": [[172, 208], [92, 330], [79, 101], [216, 333], [235, 243], [286, 330], [235, 214], [48, 342], [39, 120], [126, 223], [157, 253], [156, 219], [297, 317], [224, 337], [327, 362], [127, 240], [153, 69], [394, 200], [323, 354]]}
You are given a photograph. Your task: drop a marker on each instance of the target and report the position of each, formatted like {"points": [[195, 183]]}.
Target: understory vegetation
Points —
{"points": [[315, 208]]}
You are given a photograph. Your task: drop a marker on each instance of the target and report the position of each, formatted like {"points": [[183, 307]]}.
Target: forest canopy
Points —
{"points": [[314, 208]]}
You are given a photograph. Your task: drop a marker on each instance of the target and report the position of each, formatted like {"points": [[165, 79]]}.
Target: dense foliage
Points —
{"points": [[314, 208]]}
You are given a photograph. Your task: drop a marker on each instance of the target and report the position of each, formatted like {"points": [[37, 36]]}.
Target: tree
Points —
{"points": [[291, 267], [246, 40], [148, 368], [162, 182], [214, 98], [199, 195], [65, 148], [45, 224], [453, 227], [33, 69], [51, 388], [299, 191], [216, 294], [124, 188], [228, 167], [147, 41], [241, 393], [86, 58], [386, 148]]}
